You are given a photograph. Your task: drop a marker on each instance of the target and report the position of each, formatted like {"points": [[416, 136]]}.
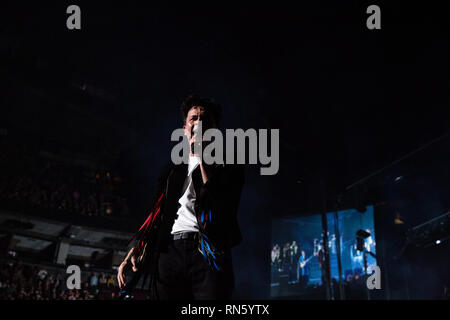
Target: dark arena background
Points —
{"points": [[364, 148]]}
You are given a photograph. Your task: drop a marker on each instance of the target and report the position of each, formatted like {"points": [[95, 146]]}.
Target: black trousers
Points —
{"points": [[183, 274]]}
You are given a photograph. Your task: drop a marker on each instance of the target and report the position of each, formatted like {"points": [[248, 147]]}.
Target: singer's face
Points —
{"points": [[195, 115]]}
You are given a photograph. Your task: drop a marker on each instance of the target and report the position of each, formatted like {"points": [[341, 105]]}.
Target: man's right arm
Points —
{"points": [[131, 258]]}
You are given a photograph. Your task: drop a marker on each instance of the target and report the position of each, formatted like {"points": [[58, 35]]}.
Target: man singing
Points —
{"points": [[185, 244]]}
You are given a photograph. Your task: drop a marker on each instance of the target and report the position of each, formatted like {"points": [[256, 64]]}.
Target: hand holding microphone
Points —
{"points": [[195, 141]]}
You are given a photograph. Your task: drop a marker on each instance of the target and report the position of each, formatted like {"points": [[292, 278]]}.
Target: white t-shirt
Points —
{"points": [[186, 220]]}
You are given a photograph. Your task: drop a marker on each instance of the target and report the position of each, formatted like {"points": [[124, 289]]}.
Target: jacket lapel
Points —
{"points": [[175, 184]]}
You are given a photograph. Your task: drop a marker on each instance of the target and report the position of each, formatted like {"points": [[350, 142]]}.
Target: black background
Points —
{"points": [[347, 100]]}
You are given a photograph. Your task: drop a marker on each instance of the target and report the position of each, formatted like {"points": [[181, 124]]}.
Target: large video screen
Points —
{"points": [[297, 256]]}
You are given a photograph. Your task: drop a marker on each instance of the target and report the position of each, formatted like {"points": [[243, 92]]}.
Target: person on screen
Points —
{"points": [[302, 268], [316, 242], [286, 257], [294, 254], [274, 255], [275, 259], [320, 254], [332, 244], [357, 259], [369, 244]]}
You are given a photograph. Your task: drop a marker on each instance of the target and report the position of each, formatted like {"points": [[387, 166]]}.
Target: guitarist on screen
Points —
{"points": [[302, 268]]}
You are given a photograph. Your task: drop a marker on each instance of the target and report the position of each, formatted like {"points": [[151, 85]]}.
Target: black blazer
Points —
{"points": [[220, 195]]}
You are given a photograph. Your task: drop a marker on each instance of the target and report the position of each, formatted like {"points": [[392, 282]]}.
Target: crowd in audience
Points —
{"points": [[38, 183], [31, 282]]}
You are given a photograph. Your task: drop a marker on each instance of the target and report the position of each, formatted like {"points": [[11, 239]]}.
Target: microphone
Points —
{"points": [[196, 144]]}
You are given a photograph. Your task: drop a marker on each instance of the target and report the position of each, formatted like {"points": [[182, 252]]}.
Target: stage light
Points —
{"points": [[398, 219], [360, 236], [438, 241], [398, 178]]}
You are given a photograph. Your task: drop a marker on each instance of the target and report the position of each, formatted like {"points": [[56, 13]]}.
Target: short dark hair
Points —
{"points": [[211, 108]]}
